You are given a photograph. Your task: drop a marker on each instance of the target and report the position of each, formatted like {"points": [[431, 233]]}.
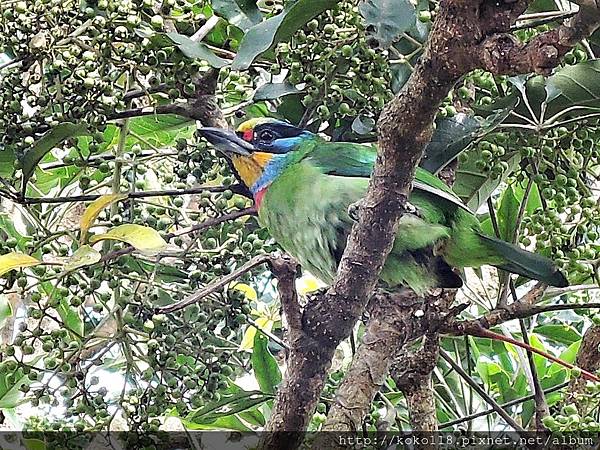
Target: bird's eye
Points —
{"points": [[266, 136]]}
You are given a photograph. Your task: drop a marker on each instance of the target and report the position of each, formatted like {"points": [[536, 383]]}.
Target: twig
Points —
{"points": [[514, 402], [235, 188], [200, 226], [221, 282], [10, 63], [267, 333], [541, 406], [136, 93], [205, 29], [284, 268], [173, 108], [484, 333], [541, 18], [484, 395]]}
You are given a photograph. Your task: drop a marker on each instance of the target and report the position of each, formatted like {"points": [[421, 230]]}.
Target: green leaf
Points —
{"points": [[58, 134], [7, 159], [542, 5], [265, 366], [158, 131], [241, 13], [281, 27], [34, 444], [576, 85], [527, 413], [563, 334], [6, 310], [10, 384], [487, 370], [451, 136], [507, 214], [83, 256], [271, 91], [570, 353], [474, 187], [400, 75], [7, 226], [46, 180], [227, 405], [164, 273], [541, 363], [573, 90], [153, 131], [70, 317], [388, 18], [534, 200], [196, 50], [291, 108], [144, 239], [253, 417]]}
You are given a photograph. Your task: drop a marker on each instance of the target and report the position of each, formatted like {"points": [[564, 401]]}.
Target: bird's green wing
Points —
{"points": [[354, 160]]}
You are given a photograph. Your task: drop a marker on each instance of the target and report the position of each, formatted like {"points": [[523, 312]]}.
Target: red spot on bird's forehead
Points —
{"points": [[248, 135]]}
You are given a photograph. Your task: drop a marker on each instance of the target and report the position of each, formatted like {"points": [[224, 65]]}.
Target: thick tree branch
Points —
{"points": [[202, 106], [502, 53], [404, 129], [393, 320], [285, 269], [411, 372]]}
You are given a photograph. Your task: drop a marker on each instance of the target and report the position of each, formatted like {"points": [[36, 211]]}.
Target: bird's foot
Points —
{"points": [[409, 208], [353, 210]]}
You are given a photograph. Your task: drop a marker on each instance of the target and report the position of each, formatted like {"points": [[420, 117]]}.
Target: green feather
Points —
{"points": [[525, 263], [306, 211]]}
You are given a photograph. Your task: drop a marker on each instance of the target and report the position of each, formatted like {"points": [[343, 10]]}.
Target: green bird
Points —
{"points": [[304, 185]]}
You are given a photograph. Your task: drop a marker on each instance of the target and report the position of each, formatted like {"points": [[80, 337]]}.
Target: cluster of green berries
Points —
{"points": [[343, 75]]}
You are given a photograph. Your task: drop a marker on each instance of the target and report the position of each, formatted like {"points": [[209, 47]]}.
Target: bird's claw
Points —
{"points": [[409, 208], [353, 211]]}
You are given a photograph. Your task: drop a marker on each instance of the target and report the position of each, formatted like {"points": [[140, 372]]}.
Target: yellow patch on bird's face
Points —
{"points": [[250, 168], [250, 124]]}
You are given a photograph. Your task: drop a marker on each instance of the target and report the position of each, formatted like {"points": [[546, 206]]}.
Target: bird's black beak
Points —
{"points": [[226, 141]]}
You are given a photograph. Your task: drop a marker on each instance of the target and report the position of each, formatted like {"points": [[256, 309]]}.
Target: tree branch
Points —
{"points": [[236, 189], [541, 406], [588, 358], [202, 106], [284, 268], [484, 395], [506, 405], [405, 127], [393, 320], [411, 372], [215, 286], [211, 222], [503, 54]]}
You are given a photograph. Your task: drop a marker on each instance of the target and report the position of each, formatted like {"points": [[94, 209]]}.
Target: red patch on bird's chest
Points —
{"points": [[258, 197]]}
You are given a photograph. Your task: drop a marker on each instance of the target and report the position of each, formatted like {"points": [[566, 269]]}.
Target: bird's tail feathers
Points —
{"points": [[527, 264]]}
